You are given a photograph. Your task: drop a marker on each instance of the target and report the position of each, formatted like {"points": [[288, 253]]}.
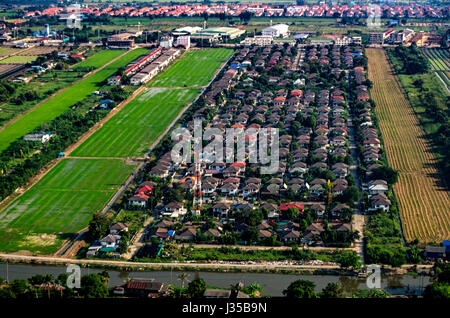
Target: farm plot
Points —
{"points": [[19, 59], [60, 204], [131, 131], [62, 102], [423, 201], [196, 68], [439, 59], [99, 58]]}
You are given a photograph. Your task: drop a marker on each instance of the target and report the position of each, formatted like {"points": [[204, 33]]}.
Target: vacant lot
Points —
{"points": [[62, 102], [60, 204], [131, 131], [7, 67], [19, 59], [196, 68], [423, 201]]}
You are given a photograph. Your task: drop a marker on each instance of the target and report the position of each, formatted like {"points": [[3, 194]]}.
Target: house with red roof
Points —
{"points": [[287, 206]]}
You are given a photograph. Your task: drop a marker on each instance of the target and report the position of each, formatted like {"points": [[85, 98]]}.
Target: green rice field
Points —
{"points": [[19, 59], [131, 131], [196, 68], [439, 59], [60, 204]]}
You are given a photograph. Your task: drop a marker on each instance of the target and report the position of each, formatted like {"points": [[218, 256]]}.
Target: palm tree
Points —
{"points": [[183, 277]]}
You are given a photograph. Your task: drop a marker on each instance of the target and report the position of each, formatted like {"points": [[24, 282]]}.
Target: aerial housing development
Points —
{"points": [[222, 138]]}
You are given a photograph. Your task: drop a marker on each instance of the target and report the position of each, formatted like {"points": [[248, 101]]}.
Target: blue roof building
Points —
{"points": [[446, 245]]}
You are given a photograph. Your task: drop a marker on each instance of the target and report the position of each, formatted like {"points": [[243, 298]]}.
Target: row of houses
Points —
{"points": [[147, 66], [371, 146], [152, 69], [286, 232]]}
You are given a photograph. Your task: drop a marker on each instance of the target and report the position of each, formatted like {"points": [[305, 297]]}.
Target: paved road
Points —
{"points": [[162, 266]]}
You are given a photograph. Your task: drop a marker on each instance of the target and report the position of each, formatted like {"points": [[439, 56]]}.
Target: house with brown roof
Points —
{"points": [[221, 209], [379, 201], [189, 234], [118, 227]]}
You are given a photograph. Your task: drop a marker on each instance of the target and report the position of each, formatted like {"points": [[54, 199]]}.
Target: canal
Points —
{"points": [[273, 284]]}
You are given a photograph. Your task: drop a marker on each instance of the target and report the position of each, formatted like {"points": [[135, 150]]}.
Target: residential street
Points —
{"points": [[358, 216]]}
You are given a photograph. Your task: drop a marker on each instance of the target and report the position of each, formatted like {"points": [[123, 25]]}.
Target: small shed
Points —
{"points": [[435, 252]]}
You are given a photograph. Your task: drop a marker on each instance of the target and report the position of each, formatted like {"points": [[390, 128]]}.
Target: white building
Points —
{"points": [[276, 31], [345, 40], [258, 40], [184, 41], [166, 42], [114, 80], [42, 137]]}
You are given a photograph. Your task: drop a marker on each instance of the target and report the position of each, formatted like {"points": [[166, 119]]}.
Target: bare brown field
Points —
{"points": [[423, 200], [40, 50]]}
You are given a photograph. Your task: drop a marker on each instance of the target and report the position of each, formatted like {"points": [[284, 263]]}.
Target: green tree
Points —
{"points": [[98, 226], [196, 288], [349, 259], [253, 290], [372, 293], [7, 293], [291, 213], [385, 173], [350, 195], [19, 286], [300, 289], [93, 286], [333, 290], [437, 291], [41, 279]]}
